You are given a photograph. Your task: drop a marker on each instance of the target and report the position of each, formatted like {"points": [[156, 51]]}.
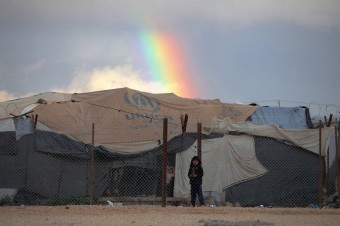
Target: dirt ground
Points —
{"points": [[170, 215]]}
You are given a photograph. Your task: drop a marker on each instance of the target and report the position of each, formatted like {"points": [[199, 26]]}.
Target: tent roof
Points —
{"points": [[123, 115]]}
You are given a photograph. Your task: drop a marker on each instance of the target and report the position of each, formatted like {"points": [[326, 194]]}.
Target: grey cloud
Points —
{"points": [[313, 13], [29, 69], [96, 34]]}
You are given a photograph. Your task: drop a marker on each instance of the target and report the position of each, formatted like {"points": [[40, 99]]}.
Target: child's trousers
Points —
{"points": [[196, 189]]}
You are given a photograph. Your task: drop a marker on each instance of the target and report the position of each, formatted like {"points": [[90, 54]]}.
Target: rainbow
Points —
{"points": [[167, 63]]}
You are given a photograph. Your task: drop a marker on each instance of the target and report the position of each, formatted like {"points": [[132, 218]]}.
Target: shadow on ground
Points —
{"points": [[238, 223]]}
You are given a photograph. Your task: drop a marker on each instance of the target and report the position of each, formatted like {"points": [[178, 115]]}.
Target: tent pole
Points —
{"points": [[164, 160]]}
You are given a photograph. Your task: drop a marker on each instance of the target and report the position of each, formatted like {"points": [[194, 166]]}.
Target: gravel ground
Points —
{"points": [[155, 215]]}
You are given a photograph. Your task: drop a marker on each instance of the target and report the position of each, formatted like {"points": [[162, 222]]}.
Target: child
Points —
{"points": [[195, 175]]}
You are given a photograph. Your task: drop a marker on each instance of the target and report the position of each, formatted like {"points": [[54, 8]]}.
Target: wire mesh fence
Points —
{"points": [[48, 167]]}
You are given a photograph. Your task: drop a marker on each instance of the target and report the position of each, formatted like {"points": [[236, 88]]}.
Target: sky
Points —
{"points": [[270, 52]]}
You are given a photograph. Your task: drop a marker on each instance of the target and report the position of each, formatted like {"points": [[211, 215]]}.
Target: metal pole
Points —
{"points": [[320, 164], [92, 167], [164, 160], [199, 141]]}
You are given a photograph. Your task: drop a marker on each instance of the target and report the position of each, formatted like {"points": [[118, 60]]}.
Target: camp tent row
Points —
{"points": [[240, 148]]}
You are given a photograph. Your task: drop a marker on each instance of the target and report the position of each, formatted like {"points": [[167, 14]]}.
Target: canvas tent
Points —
{"points": [[54, 161], [291, 180], [139, 113], [257, 164], [234, 156]]}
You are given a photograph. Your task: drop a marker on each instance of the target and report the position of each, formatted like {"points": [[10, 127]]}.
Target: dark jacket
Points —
{"points": [[198, 170]]}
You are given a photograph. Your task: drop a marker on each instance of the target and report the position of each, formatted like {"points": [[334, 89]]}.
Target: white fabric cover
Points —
{"points": [[307, 139], [225, 161], [283, 117], [123, 115], [20, 106], [131, 147]]}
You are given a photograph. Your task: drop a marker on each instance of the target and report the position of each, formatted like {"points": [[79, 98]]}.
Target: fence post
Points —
{"points": [[199, 140], [337, 162], [184, 123], [328, 175], [164, 160], [320, 164], [35, 120], [328, 124], [92, 166]]}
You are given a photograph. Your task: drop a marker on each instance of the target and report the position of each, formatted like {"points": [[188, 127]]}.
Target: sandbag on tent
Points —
{"points": [[234, 156]]}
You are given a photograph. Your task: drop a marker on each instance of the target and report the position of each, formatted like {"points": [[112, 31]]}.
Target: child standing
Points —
{"points": [[195, 175]]}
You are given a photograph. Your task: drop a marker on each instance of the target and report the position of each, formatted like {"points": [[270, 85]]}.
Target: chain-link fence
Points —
{"points": [[48, 167]]}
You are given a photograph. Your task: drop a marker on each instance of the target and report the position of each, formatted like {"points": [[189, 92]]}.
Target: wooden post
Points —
{"points": [[35, 122], [199, 141], [328, 124], [92, 167], [320, 165], [330, 120], [164, 160], [328, 173], [184, 123], [337, 161]]}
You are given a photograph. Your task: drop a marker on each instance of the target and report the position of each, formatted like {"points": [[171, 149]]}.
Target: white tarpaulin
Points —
{"points": [[307, 139], [19, 106], [283, 117], [126, 121], [225, 161]]}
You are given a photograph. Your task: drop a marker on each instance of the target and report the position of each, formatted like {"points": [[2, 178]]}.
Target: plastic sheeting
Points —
{"points": [[291, 181], [234, 156], [307, 139], [283, 117], [23, 126], [18, 106]]}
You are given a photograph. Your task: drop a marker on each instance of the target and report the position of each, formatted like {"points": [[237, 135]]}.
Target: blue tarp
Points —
{"points": [[283, 117]]}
